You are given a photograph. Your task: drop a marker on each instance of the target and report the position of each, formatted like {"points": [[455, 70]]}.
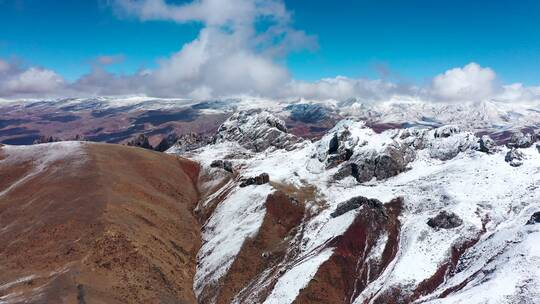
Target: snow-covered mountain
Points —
{"points": [[394, 203], [406, 215]]}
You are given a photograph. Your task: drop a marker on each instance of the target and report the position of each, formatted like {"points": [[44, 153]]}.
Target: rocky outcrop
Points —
{"points": [[535, 218], [486, 145], [446, 131], [445, 220], [379, 165], [260, 179], [46, 139], [520, 140], [256, 131], [447, 142], [223, 164], [338, 150], [355, 203], [361, 153], [140, 141], [189, 142], [514, 157], [391, 162], [307, 113], [166, 142]]}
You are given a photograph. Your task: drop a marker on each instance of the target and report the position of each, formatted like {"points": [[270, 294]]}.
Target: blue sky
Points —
{"points": [[406, 41], [415, 39]]}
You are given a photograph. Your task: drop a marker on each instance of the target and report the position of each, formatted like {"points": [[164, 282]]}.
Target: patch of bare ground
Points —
{"points": [[118, 228], [261, 256], [349, 270], [267, 249]]}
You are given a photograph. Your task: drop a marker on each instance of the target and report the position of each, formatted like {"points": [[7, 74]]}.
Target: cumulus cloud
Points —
{"points": [[469, 83], [517, 92], [239, 51], [16, 81], [229, 56]]}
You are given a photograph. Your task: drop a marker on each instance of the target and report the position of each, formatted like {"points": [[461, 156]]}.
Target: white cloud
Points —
{"points": [[217, 61], [341, 88], [470, 83], [236, 13], [517, 92], [229, 56], [17, 82]]}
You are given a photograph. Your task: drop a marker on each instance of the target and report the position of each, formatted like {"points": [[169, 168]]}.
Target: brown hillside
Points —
{"points": [[96, 223]]}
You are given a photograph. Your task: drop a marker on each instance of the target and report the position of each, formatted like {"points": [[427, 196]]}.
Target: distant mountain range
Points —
{"points": [[293, 202], [119, 120]]}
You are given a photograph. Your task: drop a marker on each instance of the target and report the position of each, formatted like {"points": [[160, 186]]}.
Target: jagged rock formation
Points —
{"points": [[361, 153], [520, 140], [514, 157], [256, 131], [223, 164], [260, 179], [445, 220], [189, 142], [355, 203], [486, 144], [535, 218], [308, 113], [166, 143], [447, 142], [348, 146]]}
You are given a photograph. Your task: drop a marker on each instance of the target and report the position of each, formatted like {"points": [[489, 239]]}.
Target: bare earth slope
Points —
{"points": [[96, 223]]}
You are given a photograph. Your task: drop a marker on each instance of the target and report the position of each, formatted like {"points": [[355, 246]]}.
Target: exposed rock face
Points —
{"points": [[140, 141], [370, 243], [446, 131], [355, 203], [223, 164], [448, 141], [256, 131], [260, 179], [487, 145], [445, 220], [535, 218], [366, 155], [520, 140], [166, 143], [189, 142], [308, 113], [514, 157], [363, 154]]}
